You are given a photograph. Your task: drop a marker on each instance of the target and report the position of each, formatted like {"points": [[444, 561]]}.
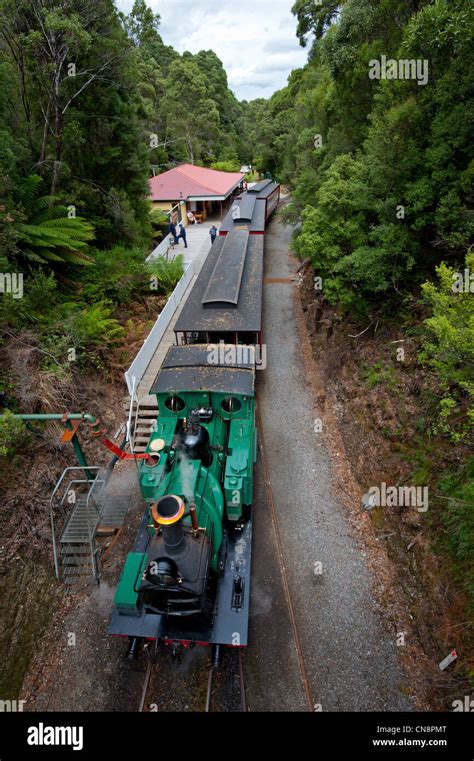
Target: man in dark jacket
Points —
{"points": [[172, 231], [182, 234], [213, 233]]}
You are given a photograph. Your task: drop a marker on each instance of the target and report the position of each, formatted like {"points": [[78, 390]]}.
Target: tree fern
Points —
{"points": [[48, 235], [166, 273]]}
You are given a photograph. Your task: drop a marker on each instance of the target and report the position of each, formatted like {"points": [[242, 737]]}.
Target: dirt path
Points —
{"points": [[350, 657]]}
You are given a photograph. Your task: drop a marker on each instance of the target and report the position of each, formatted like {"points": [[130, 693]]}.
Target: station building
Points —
{"points": [[188, 188]]}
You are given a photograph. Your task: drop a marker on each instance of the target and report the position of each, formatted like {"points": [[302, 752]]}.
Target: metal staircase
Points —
{"points": [[81, 509]]}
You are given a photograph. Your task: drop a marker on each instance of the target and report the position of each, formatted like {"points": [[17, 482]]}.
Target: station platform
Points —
{"points": [[199, 245]]}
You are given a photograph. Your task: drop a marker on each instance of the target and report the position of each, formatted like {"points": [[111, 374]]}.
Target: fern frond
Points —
{"points": [[48, 233]]}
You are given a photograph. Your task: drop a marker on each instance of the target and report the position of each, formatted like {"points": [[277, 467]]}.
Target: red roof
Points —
{"points": [[192, 180]]}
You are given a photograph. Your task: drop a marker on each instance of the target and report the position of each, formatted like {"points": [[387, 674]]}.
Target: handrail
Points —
{"points": [[129, 421], [89, 530], [70, 483], [51, 508], [162, 249], [135, 424]]}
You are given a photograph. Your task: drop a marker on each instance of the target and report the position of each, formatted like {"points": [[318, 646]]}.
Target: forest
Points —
{"points": [[378, 163], [92, 103]]}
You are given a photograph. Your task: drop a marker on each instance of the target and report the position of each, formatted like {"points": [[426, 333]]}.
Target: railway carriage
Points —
{"points": [[268, 192], [225, 303], [252, 209]]}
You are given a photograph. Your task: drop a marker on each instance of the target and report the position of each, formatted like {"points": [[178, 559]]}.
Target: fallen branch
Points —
{"points": [[414, 540], [366, 329]]}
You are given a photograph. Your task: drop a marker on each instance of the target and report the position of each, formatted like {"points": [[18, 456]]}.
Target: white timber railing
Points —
{"points": [[137, 369], [162, 249], [165, 245]]}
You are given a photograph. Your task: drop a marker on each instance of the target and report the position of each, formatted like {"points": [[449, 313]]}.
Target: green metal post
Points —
{"points": [[81, 458], [75, 440]]}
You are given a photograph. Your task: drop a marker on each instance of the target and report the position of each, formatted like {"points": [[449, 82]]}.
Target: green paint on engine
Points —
{"points": [[220, 489], [126, 597], [238, 472]]}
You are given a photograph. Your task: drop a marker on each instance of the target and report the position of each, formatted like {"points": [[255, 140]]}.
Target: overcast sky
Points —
{"points": [[255, 39]]}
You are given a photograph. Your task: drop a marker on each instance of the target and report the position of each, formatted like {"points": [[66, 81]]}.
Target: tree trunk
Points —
{"points": [[45, 136], [58, 124], [57, 149], [190, 148]]}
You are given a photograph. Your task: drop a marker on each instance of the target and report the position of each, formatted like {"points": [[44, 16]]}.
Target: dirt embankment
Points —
{"points": [[29, 593], [371, 387]]}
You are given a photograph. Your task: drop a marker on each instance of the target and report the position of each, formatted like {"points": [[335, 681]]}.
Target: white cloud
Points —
{"points": [[255, 39]]}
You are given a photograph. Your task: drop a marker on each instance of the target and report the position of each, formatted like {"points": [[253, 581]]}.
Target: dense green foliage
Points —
{"points": [[164, 273], [13, 434], [451, 350], [458, 489], [90, 101], [71, 113], [449, 344], [381, 170], [189, 112], [48, 234]]}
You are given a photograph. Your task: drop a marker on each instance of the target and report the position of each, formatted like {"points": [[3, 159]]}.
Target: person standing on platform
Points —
{"points": [[182, 234], [172, 232], [213, 233]]}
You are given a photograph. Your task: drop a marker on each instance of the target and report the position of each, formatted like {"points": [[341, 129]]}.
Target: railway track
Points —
{"points": [[151, 661], [225, 686], [222, 681]]}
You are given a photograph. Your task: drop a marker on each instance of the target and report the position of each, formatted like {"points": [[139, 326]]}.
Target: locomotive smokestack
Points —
{"points": [[167, 513]]}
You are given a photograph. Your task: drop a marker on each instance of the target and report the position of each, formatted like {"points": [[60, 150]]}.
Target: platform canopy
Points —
{"points": [[194, 183]]}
